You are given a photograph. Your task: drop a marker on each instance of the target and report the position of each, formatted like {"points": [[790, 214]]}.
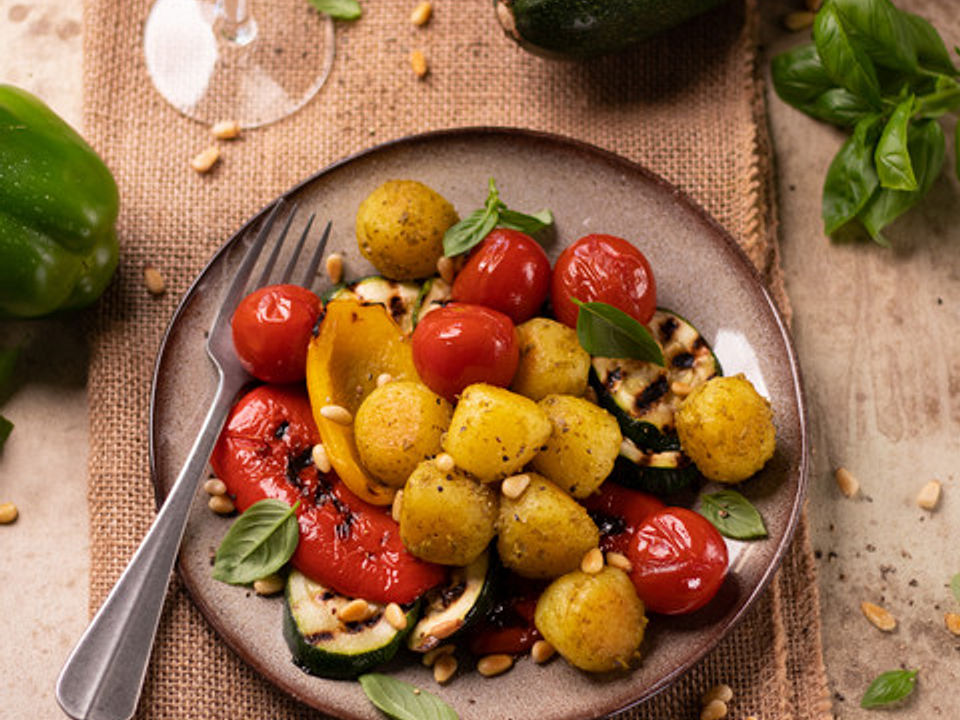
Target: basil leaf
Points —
{"points": [[851, 179], [956, 149], [258, 543], [399, 701], [838, 106], [338, 9], [878, 27], [468, 232], [892, 156], [944, 98], [733, 515], [606, 331], [889, 687], [6, 427], [529, 224], [931, 52], [799, 76], [955, 586], [846, 62]]}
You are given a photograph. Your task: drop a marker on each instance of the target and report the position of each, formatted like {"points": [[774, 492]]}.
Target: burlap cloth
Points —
{"points": [[688, 105]]}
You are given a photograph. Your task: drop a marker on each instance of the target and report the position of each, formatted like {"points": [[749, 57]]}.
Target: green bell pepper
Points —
{"points": [[58, 206]]}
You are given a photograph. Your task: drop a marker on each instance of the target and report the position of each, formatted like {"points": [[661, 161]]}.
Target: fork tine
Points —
{"points": [[292, 262], [275, 253], [311, 273]]}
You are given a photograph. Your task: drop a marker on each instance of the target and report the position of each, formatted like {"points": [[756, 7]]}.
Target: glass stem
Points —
{"points": [[234, 21]]}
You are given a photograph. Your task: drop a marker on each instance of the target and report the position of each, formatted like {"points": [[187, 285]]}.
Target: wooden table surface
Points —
{"points": [[877, 331]]}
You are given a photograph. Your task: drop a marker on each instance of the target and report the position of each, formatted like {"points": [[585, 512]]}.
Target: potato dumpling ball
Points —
{"points": [[400, 228], [397, 426], [596, 622], [726, 427], [551, 360]]}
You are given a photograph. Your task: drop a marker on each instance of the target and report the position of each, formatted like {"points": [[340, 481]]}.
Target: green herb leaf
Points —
{"points": [[799, 76], [944, 98], [956, 149], [6, 427], [606, 331], [399, 701], [889, 687], [892, 156], [931, 52], [955, 586], [838, 106], [851, 179], [258, 543], [733, 515], [878, 27], [529, 224], [846, 62], [338, 9]]}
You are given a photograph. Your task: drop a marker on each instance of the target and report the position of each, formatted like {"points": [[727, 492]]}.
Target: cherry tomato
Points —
{"points": [[679, 560], [460, 344], [508, 272], [603, 268], [618, 511], [345, 543], [271, 330]]}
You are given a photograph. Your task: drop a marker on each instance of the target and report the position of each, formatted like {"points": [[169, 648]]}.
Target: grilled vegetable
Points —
{"points": [[399, 298]]}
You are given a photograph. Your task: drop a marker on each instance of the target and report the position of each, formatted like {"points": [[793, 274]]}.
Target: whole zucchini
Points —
{"points": [[584, 28]]}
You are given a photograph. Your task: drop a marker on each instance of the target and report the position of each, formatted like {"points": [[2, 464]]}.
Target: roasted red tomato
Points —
{"points": [[271, 331], [603, 268], [679, 561], [618, 511], [508, 272], [264, 451], [460, 344]]}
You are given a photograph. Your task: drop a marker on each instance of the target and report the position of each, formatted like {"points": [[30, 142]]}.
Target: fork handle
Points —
{"points": [[104, 674]]}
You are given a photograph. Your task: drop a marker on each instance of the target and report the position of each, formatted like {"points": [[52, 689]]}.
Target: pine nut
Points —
{"points": [[848, 484], [419, 64], [397, 507], [421, 14], [714, 710], [446, 628], [221, 504], [8, 513], [722, 692], [215, 486], [320, 460], [430, 657], [880, 617], [619, 560], [929, 496], [334, 267], [226, 130], [797, 21], [337, 413], [592, 562], [204, 161], [952, 621], [513, 486], [269, 585], [680, 388], [395, 616], [154, 281], [542, 651], [354, 611], [445, 462], [383, 379], [491, 665], [444, 668], [445, 269]]}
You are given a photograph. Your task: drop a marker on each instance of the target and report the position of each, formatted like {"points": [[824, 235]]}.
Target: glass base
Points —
{"points": [[253, 73]]}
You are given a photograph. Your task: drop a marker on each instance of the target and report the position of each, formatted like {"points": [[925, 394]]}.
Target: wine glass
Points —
{"points": [[214, 61]]}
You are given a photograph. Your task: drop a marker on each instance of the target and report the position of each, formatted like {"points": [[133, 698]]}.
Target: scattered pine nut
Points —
{"points": [[154, 281], [354, 611], [848, 484], [490, 665], [204, 161], [320, 460], [337, 413], [542, 651], [714, 710], [513, 486], [878, 616], [226, 130], [334, 267], [445, 269], [722, 692], [592, 561], [680, 388], [430, 657], [929, 495], [421, 14], [215, 486], [952, 621], [619, 560], [397, 506], [221, 504], [395, 616], [269, 585], [797, 21], [8, 513], [383, 379], [444, 462], [419, 64], [446, 628], [444, 668]]}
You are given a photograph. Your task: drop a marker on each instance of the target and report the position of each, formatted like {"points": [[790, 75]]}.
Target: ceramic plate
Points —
{"points": [[700, 273]]}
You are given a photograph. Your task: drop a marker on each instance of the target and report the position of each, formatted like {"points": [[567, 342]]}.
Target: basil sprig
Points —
{"points": [[606, 331], [889, 687], [887, 74], [477, 225], [399, 700], [955, 586], [733, 515], [259, 542], [338, 9]]}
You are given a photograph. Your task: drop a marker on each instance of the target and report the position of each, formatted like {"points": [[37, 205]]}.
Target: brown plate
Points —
{"points": [[701, 273]]}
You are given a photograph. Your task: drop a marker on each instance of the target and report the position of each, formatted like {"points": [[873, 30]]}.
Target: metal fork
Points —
{"points": [[104, 674]]}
